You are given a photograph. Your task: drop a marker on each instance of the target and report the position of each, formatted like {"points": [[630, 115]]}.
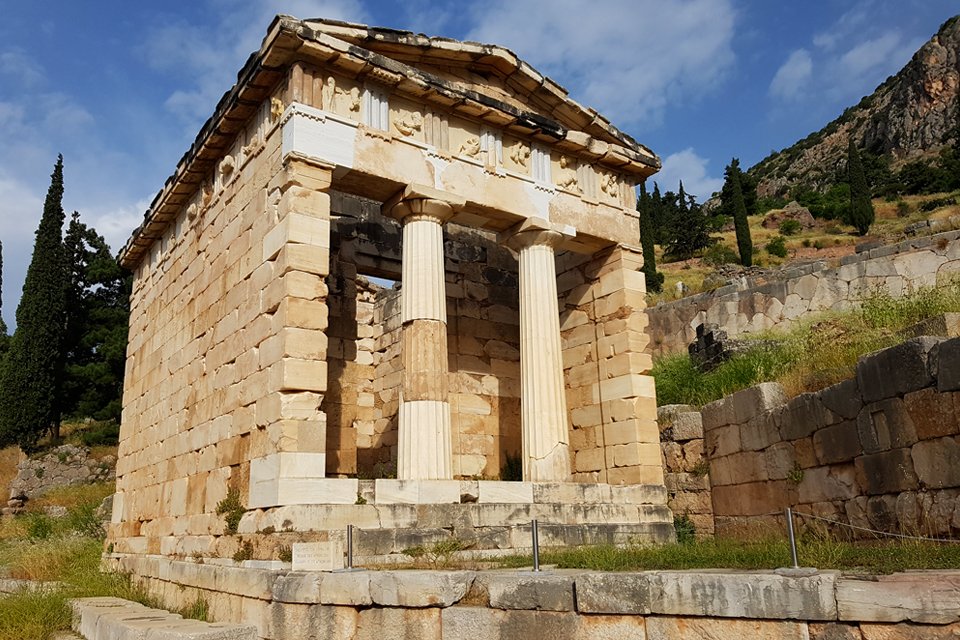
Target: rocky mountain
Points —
{"points": [[910, 116]]}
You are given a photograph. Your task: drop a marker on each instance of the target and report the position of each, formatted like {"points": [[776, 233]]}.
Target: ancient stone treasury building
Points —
{"points": [[393, 284]]}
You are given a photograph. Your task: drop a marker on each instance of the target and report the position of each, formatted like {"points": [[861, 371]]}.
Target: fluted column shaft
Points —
{"points": [[425, 450], [543, 406]]}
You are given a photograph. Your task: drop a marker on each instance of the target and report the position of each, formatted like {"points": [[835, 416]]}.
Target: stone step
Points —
{"points": [[117, 619]]}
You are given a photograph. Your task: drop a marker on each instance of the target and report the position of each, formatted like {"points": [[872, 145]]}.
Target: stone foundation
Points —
{"points": [[484, 518], [493, 605]]}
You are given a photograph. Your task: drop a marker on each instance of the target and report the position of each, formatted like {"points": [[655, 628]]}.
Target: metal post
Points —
{"points": [[793, 540], [349, 547], [536, 546]]}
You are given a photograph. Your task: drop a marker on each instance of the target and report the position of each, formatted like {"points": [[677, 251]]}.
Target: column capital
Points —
{"points": [[537, 232], [417, 202]]}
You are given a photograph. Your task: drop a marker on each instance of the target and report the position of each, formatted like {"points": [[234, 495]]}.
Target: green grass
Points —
{"points": [[760, 554], [64, 550], [812, 356]]}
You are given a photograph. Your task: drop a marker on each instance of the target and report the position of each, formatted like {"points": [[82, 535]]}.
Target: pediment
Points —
{"points": [[492, 74]]}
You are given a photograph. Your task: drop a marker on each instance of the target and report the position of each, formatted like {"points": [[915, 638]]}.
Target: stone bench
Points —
{"points": [[118, 619]]}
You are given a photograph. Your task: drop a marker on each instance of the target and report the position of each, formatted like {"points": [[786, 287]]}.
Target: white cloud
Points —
{"points": [[867, 55], [629, 59], [845, 26], [689, 167], [17, 65], [792, 76], [116, 224], [205, 64]]}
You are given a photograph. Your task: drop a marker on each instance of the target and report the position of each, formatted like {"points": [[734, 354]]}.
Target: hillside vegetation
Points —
{"points": [[814, 355]]}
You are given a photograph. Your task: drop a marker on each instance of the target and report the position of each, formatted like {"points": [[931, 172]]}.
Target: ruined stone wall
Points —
{"points": [[804, 291], [614, 437], [879, 450], [685, 466]]}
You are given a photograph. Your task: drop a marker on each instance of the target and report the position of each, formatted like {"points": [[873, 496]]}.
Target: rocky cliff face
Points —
{"points": [[911, 115]]}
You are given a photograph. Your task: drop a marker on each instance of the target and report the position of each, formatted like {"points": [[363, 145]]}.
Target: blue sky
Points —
{"points": [[121, 88]]}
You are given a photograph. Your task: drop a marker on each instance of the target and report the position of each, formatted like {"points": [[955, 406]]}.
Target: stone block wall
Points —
{"points": [[876, 451], [580, 605], [685, 466], [758, 305], [614, 437]]}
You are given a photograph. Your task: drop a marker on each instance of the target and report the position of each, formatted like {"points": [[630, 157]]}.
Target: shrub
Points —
{"points": [[903, 209], [806, 242], [101, 434], [39, 526], [936, 203], [790, 227], [777, 247], [686, 531], [245, 552], [719, 253], [833, 230]]}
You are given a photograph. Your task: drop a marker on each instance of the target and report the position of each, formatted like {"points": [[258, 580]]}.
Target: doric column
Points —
{"points": [[425, 450], [543, 406]]}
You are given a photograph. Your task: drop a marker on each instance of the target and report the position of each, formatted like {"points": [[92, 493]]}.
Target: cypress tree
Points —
{"points": [[4, 339], [654, 279], [861, 208], [30, 387], [744, 242]]}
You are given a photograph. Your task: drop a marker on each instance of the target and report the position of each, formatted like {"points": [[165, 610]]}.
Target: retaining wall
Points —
{"points": [[754, 305], [879, 450], [685, 466], [493, 605]]}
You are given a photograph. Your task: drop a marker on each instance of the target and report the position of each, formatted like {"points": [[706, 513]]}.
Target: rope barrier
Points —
{"points": [[874, 531]]}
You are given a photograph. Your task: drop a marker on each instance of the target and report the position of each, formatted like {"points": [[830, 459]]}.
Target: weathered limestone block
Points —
{"points": [[620, 593], [837, 443], [659, 628], [348, 589], [933, 414], [823, 484], [744, 595], [936, 462], [285, 620], [419, 588], [911, 360], [929, 597], [948, 365], [873, 631], [885, 425], [403, 624], [843, 399], [530, 592], [477, 623], [886, 472], [298, 587], [834, 631]]}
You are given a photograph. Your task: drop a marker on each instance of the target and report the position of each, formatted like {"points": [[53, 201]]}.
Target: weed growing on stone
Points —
{"points": [[245, 552], [196, 610], [438, 555], [232, 511]]}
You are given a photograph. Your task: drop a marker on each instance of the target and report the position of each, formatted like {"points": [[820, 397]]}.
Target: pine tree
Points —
{"points": [[95, 338], [653, 277], [861, 212], [742, 226], [688, 232], [30, 387]]}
